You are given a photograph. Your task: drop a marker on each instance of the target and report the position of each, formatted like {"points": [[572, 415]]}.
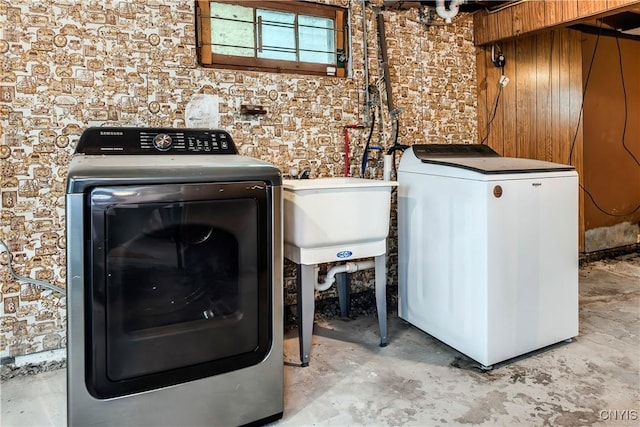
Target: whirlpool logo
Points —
{"points": [[344, 254]]}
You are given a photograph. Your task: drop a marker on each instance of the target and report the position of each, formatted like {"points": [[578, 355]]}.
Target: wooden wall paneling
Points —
{"points": [[556, 130], [525, 97], [480, 35], [530, 16], [494, 132], [567, 126], [575, 94], [509, 100], [610, 173], [481, 78], [505, 23], [569, 10], [493, 30], [570, 105], [518, 17], [618, 3], [591, 7], [543, 142], [527, 16], [552, 12], [575, 77]]}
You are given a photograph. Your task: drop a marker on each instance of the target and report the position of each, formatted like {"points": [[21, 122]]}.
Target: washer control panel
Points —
{"points": [[102, 140]]}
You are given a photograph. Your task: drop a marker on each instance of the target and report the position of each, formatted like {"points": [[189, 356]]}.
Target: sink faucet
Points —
{"points": [[299, 174], [304, 173]]}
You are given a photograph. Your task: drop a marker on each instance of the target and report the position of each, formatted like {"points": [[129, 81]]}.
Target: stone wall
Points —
{"points": [[69, 64]]}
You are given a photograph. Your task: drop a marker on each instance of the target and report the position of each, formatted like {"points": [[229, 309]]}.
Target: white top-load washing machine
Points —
{"points": [[488, 250]]}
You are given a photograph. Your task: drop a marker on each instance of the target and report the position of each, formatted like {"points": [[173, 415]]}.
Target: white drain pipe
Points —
{"points": [[445, 14], [386, 170], [349, 267]]}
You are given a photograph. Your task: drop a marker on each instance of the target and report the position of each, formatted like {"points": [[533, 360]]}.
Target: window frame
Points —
{"points": [[208, 58]]}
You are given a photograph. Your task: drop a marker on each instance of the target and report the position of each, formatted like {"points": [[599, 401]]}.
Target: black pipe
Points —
{"points": [[382, 41]]}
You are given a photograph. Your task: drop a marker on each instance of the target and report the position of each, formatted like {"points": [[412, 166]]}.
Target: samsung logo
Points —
{"points": [[111, 133]]}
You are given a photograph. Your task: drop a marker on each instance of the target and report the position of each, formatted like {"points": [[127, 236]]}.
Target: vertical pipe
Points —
{"points": [[346, 151], [367, 101], [382, 41]]}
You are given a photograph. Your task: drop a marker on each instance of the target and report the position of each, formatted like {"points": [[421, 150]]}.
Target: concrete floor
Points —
{"points": [[417, 380]]}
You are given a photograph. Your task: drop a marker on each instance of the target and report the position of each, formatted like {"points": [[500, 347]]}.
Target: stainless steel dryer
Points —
{"points": [[174, 267]]}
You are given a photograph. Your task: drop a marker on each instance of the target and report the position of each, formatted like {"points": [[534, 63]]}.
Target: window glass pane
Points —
{"points": [[232, 29], [317, 40], [277, 35]]}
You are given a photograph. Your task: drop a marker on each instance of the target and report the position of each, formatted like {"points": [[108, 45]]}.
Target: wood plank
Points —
{"points": [[505, 24], [617, 3], [569, 10], [493, 30], [567, 127], [509, 101], [552, 12], [570, 105], [492, 132], [575, 78], [526, 99], [527, 16], [530, 16], [481, 78], [340, 72], [556, 131], [480, 30], [204, 31], [591, 7], [543, 142]]}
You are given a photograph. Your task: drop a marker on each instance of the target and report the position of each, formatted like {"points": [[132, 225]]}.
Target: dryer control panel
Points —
{"points": [[174, 141]]}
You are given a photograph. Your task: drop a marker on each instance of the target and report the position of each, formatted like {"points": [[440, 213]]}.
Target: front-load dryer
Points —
{"points": [[174, 280]]}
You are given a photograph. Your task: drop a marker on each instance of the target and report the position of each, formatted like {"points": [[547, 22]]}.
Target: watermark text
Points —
{"points": [[619, 415]]}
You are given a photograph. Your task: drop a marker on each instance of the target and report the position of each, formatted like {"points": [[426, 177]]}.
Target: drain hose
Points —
{"points": [[24, 279]]}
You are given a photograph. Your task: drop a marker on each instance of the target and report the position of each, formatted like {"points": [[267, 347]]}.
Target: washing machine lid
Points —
{"points": [[434, 151], [482, 159], [500, 165]]}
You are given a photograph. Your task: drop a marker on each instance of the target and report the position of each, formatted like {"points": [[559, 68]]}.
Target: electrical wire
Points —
{"points": [[493, 114], [637, 208], [365, 155], [396, 147], [24, 279], [584, 91], [626, 106]]}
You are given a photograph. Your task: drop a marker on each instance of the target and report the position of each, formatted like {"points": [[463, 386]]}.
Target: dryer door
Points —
{"points": [[180, 283]]}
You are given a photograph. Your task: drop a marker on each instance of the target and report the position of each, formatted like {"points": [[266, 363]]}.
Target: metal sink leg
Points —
{"points": [[306, 307], [305, 284], [381, 296]]}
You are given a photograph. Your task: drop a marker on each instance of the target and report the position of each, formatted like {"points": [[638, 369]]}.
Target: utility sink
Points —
{"points": [[335, 219]]}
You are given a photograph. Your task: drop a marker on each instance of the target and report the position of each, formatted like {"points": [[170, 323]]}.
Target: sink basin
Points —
{"points": [[333, 219]]}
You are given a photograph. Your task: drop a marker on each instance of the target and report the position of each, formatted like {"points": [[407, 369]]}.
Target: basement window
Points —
{"points": [[274, 36]]}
